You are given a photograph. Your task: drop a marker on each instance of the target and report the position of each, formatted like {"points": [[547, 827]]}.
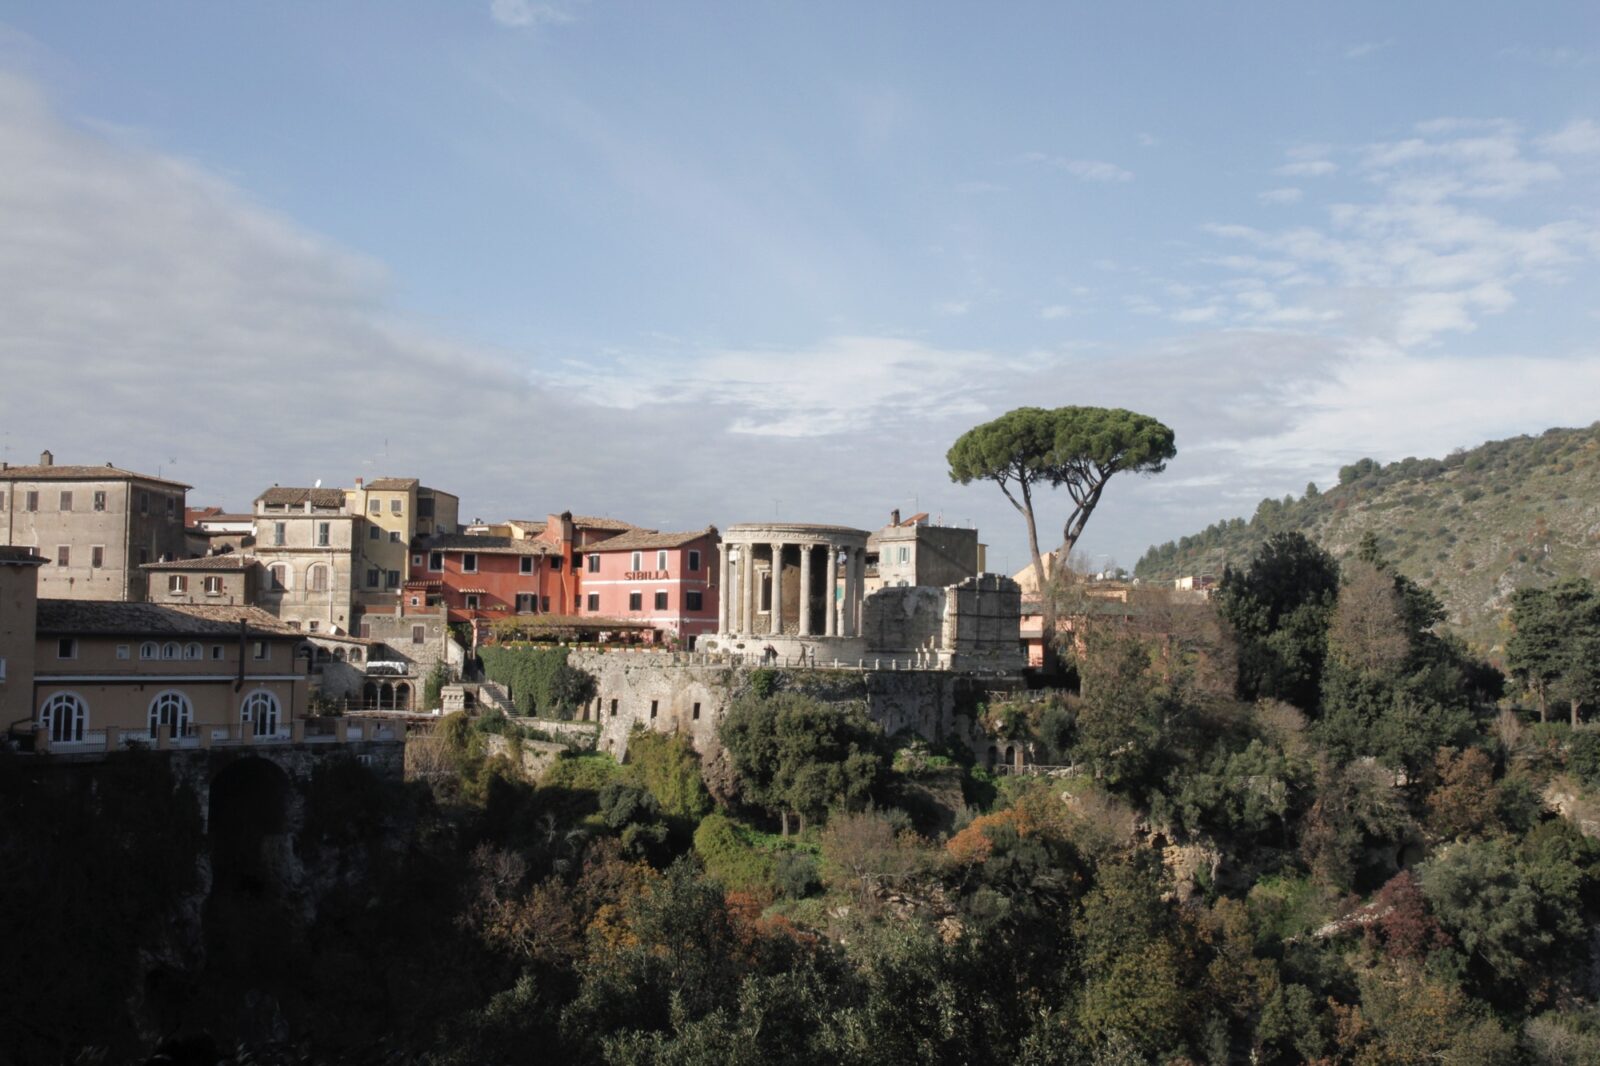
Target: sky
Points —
{"points": [[705, 263]]}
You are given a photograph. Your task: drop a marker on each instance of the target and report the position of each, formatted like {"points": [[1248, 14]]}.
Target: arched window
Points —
{"points": [[170, 711], [192, 651], [63, 716], [355, 655], [277, 577], [149, 650], [317, 578], [169, 650], [369, 696], [260, 708], [385, 696], [338, 653], [402, 697]]}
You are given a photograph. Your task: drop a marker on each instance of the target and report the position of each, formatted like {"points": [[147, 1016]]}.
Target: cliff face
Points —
{"points": [[1472, 527]]}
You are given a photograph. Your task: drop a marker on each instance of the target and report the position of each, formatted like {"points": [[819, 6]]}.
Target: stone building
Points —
{"points": [[791, 590], [95, 526], [228, 580], [19, 593], [972, 626], [916, 552], [304, 542]]}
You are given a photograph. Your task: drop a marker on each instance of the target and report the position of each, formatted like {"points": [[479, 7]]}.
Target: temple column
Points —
{"points": [[724, 589], [747, 587], [830, 622], [777, 588], [858, 556], [847, 614], [806, 551]]}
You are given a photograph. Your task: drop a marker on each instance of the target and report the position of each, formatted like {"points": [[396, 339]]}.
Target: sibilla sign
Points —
{"points": [[645, 575]]}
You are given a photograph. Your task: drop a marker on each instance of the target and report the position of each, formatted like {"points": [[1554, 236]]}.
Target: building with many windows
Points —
{"points": [[476, 576], [664, 580], [394, 512], [304, 543], [226, 580], [916, 552], [94, 526]]}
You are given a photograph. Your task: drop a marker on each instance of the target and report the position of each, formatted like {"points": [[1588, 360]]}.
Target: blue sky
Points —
{"points": [[691, 263]]}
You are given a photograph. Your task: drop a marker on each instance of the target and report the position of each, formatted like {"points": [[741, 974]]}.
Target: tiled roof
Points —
{"points": [[20, 556], [81, 473], [224, 518], [226, 561], [102, 618], [638, 539], [392, 484], [584, 521], [278, 496], [527, 525], [472, 542]]}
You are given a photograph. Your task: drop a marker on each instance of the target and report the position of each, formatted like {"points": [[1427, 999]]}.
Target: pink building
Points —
{"points": [[664, 580]]}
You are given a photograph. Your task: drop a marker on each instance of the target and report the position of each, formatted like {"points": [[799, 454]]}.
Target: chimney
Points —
{"points": [[894, 517], [46, 459], [360, 481]]}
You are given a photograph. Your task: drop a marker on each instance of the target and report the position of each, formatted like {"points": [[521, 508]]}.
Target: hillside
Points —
{"points": [[1473, 527]]}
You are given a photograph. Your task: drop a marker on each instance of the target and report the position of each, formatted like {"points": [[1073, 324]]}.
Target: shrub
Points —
{"points": [[581, 773], [796, 874], [666, 764], [731, 860], [539, 679]]}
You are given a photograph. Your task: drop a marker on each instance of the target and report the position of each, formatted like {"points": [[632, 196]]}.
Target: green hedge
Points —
{"points": [[539, 679]]}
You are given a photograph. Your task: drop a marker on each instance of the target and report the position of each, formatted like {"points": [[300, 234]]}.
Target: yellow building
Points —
{"points": [[396, 511]]}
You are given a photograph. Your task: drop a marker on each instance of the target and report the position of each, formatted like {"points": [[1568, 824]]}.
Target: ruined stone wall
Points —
{"points": [[983, 624], [659, 691], [904, 620]]}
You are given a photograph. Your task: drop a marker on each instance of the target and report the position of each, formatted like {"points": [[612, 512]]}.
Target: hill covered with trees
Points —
{"points": [[1473, 527]]}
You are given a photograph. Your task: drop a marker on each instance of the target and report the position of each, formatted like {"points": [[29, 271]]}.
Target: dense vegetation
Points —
{"points": [[538, 678], [1300, 825], [1473, 526]]}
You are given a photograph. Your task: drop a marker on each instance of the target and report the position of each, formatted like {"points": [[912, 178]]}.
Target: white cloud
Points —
{"points": [[1095, 170], [1147, 140], [1307, 168], [1367, 48], [1055, 312], [526, 14], [1578, 137], [951, 308], [1289, 195]]}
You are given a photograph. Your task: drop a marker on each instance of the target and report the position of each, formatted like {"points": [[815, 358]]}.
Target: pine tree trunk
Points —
{"points": [[1575, 718]]}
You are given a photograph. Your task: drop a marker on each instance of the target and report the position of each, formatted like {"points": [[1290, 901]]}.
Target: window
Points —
{"points": [[696, 712], [280, 533], [260, 649], [613, 708], [177, 583], [374, 506], [636, 562], [594, 601], [694, 561], [525, 602], [577, 601], [472, 602], [654, 706], [525, 564], [277, 577], [67, 648], [260, 710], [416, 561], [366, 629], [2, 667], [373, 577], [170, 712], [324, 534], [217, 651], [192, 651], [391, 579], [148, 650], [905, 553], [436, 561], [31, 502], [419, 634], [425, 507], [63, 555], [469, 562], [144, 503], [317, 578], [373, 532], [635, 601], [213, 585], [66, 501], [395, 506], [63, 717], [144, 556], [172, 507], [97, 556], [555, 562], [661, 601], [693, 601], [394, 536], [544, 604], [594, 564], [99, 501], [124, 651], [661, 561], [170, 650]]}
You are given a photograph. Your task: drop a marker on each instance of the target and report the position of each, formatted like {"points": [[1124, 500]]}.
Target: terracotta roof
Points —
{"points": [[226, 561], [224, 518], [484, 545], [20, 556], [278, 496], [527, 525], [81, 473], [583, 521], [638, 539], [392, 484], [102, 618]]}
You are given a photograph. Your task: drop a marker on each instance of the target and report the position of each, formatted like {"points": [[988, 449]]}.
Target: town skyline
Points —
{"points": [[523, 252]]}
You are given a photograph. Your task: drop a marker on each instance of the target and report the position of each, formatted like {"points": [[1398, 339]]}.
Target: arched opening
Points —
{"points": [[385, 696], [170, 714], [1011, 755], [993, 756], [63, 717], [402, 697], [259, 713], [369, 696]]}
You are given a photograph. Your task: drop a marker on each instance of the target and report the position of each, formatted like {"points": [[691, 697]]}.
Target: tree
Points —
{"points": [[1079, 448], [1554, 648], [1280, 609]]}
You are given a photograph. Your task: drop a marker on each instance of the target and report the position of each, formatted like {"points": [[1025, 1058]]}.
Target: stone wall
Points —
{"points": [[973, 625], [656, 690]]}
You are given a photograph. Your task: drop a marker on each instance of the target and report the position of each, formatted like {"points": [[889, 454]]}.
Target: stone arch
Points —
{"points": [[369, 696], [249, 801], [402, 696]]}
